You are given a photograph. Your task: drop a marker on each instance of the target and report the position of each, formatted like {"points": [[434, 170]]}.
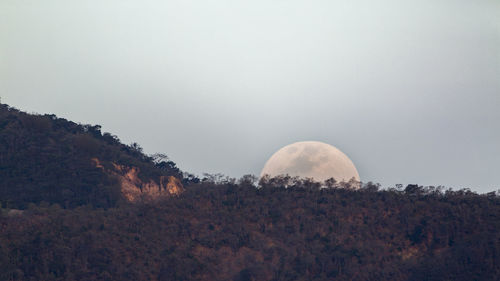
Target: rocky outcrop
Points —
{"points": [[136, 190]]}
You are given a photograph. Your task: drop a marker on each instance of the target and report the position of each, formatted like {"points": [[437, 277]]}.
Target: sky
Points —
{"points": [[409, 90]]}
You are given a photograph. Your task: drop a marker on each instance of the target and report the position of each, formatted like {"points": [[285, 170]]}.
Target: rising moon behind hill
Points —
{"points": [[311, 159]]}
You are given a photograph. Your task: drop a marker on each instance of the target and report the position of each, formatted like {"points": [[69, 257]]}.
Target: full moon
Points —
{"points": [[311, 159]]}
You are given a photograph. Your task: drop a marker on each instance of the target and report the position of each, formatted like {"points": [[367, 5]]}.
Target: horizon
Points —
{"points": [[409, 91], [216, 177]]}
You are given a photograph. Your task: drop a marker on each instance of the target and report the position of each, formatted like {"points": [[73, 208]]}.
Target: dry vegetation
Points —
{"points": [[65, 218]]}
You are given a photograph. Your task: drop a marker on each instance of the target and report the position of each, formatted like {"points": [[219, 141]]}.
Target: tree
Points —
{"points": [[330, 183], [248, 180]]}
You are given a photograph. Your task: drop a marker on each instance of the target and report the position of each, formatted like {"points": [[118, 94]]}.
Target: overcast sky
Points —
{"points": [[409, 90]]}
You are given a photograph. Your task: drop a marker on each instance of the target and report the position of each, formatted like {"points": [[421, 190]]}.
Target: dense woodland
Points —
{"points": [[48, 159], [64, 220]]}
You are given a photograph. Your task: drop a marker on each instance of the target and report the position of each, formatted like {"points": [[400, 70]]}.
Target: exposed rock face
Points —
{"points": [[136, 190]]}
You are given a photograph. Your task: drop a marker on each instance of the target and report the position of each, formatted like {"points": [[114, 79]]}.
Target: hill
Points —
{"points": [[77, 204], [48, 159], [239, 232]]}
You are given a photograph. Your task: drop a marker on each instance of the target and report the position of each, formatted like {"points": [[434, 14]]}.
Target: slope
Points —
{"points": [[44, 158]]}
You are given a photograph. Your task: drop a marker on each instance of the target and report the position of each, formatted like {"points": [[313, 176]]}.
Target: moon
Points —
{"points": [[311, 159]]}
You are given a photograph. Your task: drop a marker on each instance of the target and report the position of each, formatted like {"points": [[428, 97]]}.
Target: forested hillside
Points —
{"points": [[239, 232], [45, 158], [64, 215]]}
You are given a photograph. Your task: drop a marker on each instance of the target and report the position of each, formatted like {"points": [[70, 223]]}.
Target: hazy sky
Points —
{"points": [[409, 90]]}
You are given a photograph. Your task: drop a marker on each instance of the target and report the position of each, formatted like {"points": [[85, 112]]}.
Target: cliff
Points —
{"points": [[134, 189], [44, 158]]}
